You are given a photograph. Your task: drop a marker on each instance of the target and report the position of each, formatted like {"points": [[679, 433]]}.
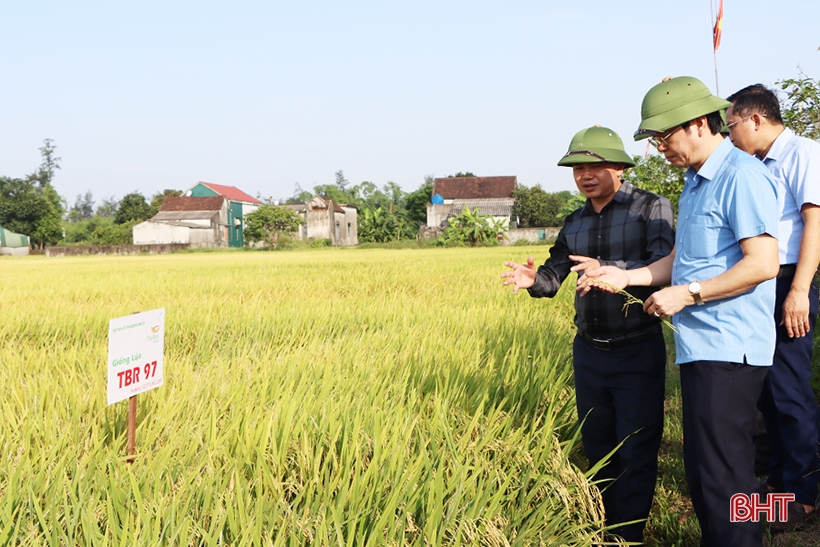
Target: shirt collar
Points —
{"points": [[779, 144], [623, 193], [710, 167]]}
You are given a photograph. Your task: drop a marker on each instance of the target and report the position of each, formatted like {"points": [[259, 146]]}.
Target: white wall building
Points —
{"points": [[197, 221]]}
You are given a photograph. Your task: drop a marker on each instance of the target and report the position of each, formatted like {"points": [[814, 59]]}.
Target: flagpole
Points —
{"points": [[714, 51]]}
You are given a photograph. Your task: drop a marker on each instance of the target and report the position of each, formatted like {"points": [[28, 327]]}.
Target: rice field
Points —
{"points": [[324, 397]]}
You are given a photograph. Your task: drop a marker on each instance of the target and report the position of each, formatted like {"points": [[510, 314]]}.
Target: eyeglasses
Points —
{"points": [[657, 140], [729, 126]]}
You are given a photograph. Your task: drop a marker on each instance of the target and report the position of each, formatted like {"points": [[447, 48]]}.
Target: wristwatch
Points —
{"points": [[694, 290]]}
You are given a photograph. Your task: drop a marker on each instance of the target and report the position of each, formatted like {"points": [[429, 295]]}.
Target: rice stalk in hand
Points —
{"points": [[630, 299]]}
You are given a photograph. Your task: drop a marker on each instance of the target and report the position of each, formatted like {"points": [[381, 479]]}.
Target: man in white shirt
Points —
{"points": [[787, 402]]}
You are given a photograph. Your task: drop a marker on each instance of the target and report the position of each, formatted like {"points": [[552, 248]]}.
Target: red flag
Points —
{"points": [[716, 31]]}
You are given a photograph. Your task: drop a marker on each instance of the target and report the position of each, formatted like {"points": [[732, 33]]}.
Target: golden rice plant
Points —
{"points": [[327, 397]]}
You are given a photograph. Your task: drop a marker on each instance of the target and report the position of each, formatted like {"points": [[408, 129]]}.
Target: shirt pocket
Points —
{"points": [[704, 236]]}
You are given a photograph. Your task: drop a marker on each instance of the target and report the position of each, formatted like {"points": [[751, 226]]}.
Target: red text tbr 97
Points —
{"points": [[131, 376]]}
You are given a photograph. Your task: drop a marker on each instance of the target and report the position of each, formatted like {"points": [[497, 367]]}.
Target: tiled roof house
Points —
{"points": [[239, 205], [198, 221], [490, 195]]}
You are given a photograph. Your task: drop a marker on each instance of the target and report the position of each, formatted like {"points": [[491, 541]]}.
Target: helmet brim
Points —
{"points": [[596, 155], [680, 115]]}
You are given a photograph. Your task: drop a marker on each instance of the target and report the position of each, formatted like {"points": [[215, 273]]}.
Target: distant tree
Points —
{"points": [[801, 107], [534, 207], [157, 199], [31, 210], [45, 173], [394, 193], [366, 193], [299, 195], [563, 197], [109, 207], [31, 206], [333, 192], [341, 181], [575, 201], [83, 208], [49, 228], [19, 205], [657, 175], [133, 207], [460, 174], [271, 225]]}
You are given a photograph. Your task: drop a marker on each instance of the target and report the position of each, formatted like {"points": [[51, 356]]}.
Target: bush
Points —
{"points": [[272, 225], [471, 228], [81, 232], [114, 234]]}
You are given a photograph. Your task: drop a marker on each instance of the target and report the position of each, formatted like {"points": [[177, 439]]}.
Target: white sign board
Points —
{"points": [[135, 354]]}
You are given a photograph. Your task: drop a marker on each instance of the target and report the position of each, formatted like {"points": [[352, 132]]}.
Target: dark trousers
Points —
{"points": [[719, 401], [789, 407], [619, 394]]}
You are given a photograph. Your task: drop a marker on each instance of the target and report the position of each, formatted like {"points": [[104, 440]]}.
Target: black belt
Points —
{"points": [[786, 270], [620, 341]]}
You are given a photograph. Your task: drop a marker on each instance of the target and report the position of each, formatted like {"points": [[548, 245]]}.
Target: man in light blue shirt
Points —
{"points": [[787, 403], [721, 297], [723, 203]]}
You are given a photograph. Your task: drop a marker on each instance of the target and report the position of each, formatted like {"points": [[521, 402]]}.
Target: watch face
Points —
{"points": [[694, 287]]}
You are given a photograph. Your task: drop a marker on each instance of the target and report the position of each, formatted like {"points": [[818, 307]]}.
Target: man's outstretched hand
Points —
{"points": [[522, 276]]}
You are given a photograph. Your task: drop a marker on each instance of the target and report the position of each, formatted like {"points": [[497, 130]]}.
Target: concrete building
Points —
{"points": [[325, 219], [197, 221], [239, 205], [490, 195]]}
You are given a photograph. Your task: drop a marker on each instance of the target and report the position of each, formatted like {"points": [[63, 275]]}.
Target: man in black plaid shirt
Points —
{"points": [[619, 359]]}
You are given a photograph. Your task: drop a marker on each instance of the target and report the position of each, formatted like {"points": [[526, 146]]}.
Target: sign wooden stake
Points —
{"points": [[132, 428]]}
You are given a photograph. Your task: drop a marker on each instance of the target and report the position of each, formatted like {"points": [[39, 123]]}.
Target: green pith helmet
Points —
{"points": [[675, 101], [596, 144]]}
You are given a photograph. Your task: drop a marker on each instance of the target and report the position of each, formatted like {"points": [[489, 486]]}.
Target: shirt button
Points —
{"points": [[598, 257], [599, 236]]}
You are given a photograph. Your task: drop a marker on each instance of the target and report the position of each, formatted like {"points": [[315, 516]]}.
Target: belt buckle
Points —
{"points": [[605, 345]]}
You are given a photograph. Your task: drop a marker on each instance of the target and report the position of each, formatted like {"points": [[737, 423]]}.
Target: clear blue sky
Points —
{"points": [[261, 95]]}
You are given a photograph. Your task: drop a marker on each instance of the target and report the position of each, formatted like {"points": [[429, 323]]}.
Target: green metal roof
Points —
{"points": [[11, 239]]}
